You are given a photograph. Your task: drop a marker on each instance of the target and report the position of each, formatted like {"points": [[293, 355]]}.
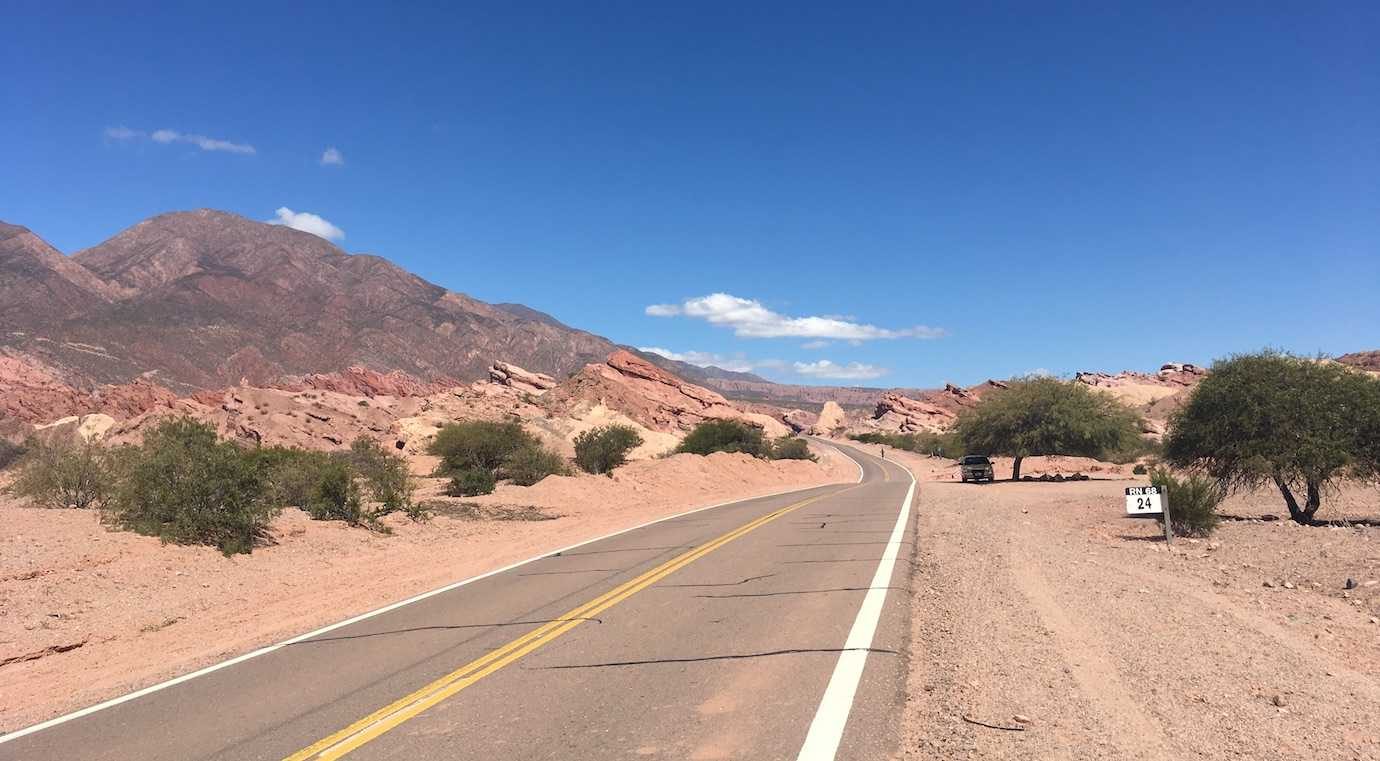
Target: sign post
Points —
{"points": [[1149, 502]]}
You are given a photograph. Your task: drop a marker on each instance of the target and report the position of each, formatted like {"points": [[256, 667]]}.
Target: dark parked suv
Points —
{"points": [[975, 467]]}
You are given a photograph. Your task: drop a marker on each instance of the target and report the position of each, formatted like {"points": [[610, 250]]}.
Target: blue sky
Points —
{"points": [[888, 194]]}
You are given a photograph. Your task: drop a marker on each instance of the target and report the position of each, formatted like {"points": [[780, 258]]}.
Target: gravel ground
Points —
{"points": [[1072, 633]]}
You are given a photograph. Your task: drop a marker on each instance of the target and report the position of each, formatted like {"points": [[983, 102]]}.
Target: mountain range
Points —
{"points": [[206, 299]]}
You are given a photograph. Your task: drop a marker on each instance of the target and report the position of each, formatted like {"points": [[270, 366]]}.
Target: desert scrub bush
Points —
{"points": [[186, 487], [1193, 501], [791, 448], [725, 436], [478, 444], [1139, 470], [471, 482], [386, 477], [290, 475], [531, 464], [600, 450], [333, 495], [65, 474]]}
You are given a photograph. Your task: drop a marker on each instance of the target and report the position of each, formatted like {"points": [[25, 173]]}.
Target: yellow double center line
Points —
{"points": [[399, 711]]}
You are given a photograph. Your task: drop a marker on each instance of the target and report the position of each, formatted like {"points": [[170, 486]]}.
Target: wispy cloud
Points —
{"points": [[332, 157], [167, 136], [737, 364], [826, 369], [122, 133], [749, 318], [814, 344], [307, 223]]}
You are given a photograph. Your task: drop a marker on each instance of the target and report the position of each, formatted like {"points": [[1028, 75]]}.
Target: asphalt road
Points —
{"points": [[717, 634]]}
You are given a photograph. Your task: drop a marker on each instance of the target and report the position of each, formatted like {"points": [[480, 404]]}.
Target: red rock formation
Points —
{"points": [[506, 374], [32, 392], [361, 381], [650, 395]]}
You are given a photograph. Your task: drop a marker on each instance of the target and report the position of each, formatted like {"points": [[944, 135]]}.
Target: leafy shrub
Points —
{"points": [[64, 474], [1139, 470], [471, 482], [334, 495], [386, 475], [1273, 418], [531, 464], [184, 486], [1193, 501], [478, 444], [791, 448], [725, 436], [291, 475], [600, 450]]}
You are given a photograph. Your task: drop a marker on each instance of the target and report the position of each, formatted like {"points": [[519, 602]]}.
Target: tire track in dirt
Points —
{"points": [[1093, 666]]}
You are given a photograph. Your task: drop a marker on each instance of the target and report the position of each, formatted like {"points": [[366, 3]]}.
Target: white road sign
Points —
{"points": [[1144, 500]]}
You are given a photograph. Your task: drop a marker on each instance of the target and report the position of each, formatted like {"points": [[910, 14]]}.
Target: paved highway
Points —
{"points": [[771, 628]]}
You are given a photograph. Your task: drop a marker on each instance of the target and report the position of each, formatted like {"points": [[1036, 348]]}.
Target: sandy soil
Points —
{"points": [[87, 614], [1072, 633]]}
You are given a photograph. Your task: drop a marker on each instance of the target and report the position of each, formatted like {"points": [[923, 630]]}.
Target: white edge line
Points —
{"points": [[826, 730], [18, 733]]}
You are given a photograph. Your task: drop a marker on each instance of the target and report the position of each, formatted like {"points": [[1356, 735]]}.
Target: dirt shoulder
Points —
{"points": [[87, 614], [1040, 601]]}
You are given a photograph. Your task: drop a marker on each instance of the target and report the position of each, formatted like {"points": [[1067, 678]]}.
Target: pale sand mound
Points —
{"points": [[86, 614]]}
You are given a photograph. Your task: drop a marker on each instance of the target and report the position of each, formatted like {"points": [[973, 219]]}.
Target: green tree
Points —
{"points": [[1046, 416], [1274, 418], [600, 450], [725, 436]]}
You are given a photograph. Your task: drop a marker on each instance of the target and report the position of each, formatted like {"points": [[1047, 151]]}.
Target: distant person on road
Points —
{"points": [[883, 453]]}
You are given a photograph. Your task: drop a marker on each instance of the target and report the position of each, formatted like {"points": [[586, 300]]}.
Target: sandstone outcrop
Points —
{"points": [[799, 420], [362, 381], [506, 374], [831, 418], [649, 395]]}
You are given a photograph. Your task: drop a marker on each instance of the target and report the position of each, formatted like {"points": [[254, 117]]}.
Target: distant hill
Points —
{"points": [[206, 298]]}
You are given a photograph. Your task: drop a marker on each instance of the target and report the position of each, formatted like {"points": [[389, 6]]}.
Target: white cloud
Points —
{"points": [[737, 364], [122, 133], [168, 136], [750, 319], [851, 371], [814, 344], [332, 157], [307, 223]]}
